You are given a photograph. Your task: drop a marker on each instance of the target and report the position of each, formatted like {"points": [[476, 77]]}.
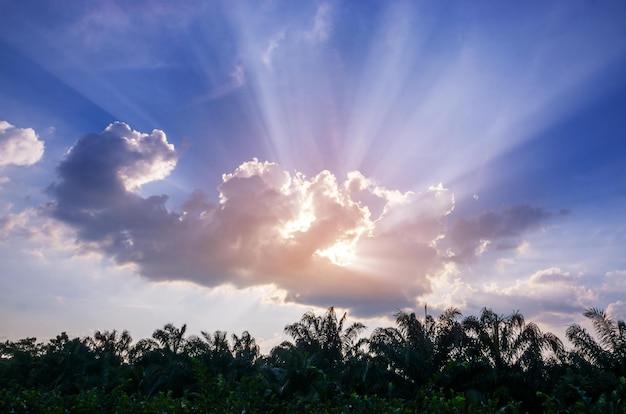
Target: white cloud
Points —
{"points": [[551, 285], [551, 275], [613, 286], [236, 79], [153, 158], [34, 232], [320, 240], [617, 310], [551, 291], [269, 226], [321, 24], [115, 161], [19, 146], [116, 35], [12, 224], [319, 31], [503, 230], [550, 296], [615, 279], [268, 54]]}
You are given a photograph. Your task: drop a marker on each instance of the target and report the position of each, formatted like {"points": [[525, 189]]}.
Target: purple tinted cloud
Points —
{"points": [[503, 230], [316, 237]]}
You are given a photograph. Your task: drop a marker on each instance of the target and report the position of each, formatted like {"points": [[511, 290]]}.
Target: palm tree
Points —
{"points": [[142, 349], [326, 336], [449, 338], [18, 361], [296, 371], [596, 363], [403, 355], [610, 352], [245, 349], [219, 355], [325, 352], [161, 362], [508, 353], [508, 341], [111, 346], [171, 338], [68, 365], [491, 336], [112, 351]]}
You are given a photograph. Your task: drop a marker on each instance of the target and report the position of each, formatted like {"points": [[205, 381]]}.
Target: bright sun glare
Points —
{"points": [[341, 253]]}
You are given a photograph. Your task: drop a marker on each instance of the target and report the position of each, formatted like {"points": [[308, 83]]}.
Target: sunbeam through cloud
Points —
{"points": [[279, 156]]}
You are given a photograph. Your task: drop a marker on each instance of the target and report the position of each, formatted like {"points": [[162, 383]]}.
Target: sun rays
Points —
{"points": [[366, 155], [404, 105]]}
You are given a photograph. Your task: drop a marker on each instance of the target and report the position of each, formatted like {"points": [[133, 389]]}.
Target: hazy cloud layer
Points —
{"points": [[550, 296], [552, 291], [318, 32], [470, 237], [15, 224], [322, 25], [19, 146]]}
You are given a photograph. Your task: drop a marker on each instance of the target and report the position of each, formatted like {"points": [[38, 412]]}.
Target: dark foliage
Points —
{"points": [[485, 363]]}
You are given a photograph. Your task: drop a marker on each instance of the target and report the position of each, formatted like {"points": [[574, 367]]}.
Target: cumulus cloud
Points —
{"points": [[617, 310], [321, 240], [101, 174], [100, 169], [470, 237], [553, 292], [551, 296], [324, 241], [19, 146]]}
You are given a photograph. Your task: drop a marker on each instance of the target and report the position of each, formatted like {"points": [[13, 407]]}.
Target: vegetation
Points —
{"points": [[478, 364]]}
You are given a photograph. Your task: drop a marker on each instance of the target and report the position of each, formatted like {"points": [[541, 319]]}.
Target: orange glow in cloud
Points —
{"points": [[324, 241], [341, 253], [311, 235]]}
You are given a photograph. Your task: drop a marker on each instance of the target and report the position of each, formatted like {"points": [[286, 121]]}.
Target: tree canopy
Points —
{"points": [[485, 363]]}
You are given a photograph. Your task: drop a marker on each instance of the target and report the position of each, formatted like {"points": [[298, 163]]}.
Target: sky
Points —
{"points": [[232, 165]]}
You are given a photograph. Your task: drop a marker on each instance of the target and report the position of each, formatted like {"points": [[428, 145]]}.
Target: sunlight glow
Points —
{"points": [[341, 253], [400, 114], [300, 224]]}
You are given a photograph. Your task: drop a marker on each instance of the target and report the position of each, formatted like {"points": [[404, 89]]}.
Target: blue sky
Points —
{"points": [[231, 165]]}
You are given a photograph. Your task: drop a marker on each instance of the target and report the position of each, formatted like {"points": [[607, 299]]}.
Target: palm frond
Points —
{"points": [[604, 326], [585, 345]]}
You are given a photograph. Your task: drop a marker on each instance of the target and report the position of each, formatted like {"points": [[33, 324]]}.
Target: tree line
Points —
{"points": [[484, 363]]}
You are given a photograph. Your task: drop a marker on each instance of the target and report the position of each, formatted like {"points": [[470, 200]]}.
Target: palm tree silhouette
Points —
{"points": [[610, 352], [403, 355], [325, 336]]}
